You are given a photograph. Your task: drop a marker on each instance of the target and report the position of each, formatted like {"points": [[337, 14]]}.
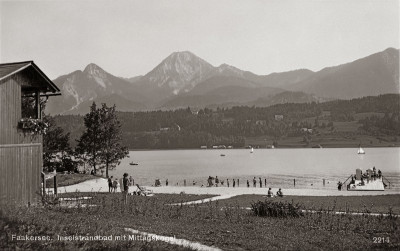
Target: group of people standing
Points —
{"points": [[113, 184], [235, 182]]}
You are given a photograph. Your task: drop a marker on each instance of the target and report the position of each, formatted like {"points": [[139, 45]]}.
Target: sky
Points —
{"points": [[130, 38]]}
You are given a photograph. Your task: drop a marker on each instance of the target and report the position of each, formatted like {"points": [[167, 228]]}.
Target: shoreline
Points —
{"points": [[101, 185], [279, 147]]}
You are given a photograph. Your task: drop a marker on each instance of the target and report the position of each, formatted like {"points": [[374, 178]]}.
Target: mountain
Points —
{"points": [[220, 90], [183, 79], [286, 97], [369, 76], [178, 73], [80, 88]]}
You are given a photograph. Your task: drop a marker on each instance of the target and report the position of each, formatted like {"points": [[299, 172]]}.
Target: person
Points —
{"points": [[222, 182], [209, 181], [260, 182], [194, 183], [227, 182], [233, 183], [279, 193], [339, 186], [131, 181], [265, 182], [248, 183], [254, 182], [379, 174], [216, 181], [125, 185], [374, 173], [115, 184], [110, 184], [270, 194], [238, 182]]}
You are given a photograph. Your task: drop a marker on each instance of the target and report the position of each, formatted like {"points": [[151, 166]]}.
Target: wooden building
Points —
{"points": [[21, 138]]}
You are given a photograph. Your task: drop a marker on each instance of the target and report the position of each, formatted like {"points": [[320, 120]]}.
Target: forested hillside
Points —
{"points": [[370, 120]]}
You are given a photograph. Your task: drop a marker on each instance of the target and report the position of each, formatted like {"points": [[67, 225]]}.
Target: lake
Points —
{"points": [[279, 166]]}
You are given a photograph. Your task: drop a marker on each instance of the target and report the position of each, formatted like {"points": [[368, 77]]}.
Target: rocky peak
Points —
{"points": [[180, 71]]}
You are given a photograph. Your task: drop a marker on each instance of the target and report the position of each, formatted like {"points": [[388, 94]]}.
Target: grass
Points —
{"points": [[70, 179], [373, 204], [211, 224]]}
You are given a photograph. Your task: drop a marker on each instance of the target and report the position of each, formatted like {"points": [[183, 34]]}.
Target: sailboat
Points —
{"points": [[252, 150], [360, 150]]}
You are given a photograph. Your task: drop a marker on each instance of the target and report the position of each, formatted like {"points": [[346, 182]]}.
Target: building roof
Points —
{"points": [[9, 69]]}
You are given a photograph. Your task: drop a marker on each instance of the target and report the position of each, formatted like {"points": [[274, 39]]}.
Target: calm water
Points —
{"points": [[278, 166]]}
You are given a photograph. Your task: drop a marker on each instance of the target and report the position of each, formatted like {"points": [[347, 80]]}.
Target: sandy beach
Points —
{"points": [[100, 185]]}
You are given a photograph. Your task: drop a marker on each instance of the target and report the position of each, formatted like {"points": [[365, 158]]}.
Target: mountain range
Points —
{"points": [[183, 79]]}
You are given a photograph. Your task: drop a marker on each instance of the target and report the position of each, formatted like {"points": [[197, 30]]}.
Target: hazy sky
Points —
{"points": [[129, 38]]}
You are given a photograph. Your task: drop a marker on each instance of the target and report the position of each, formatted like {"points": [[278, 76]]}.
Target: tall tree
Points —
{"points": [[112, 151], [100, 143], [54, 141], [90, 143]]}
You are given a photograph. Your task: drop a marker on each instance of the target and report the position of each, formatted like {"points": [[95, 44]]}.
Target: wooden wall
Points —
{"points": [[10, 113], [20, 152], [20, 168]]}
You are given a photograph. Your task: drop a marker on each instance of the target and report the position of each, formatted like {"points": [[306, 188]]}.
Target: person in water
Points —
{"points": [[260, 182], [248, 183]]}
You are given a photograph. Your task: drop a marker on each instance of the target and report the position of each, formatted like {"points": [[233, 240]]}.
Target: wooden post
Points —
{"points": [[44, 184], [55, 185], [294, 182], [37, 105]]}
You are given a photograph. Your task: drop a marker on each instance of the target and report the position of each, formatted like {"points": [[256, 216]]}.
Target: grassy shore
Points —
{"points": [[211, 224], [372, 204], [70, 179]]}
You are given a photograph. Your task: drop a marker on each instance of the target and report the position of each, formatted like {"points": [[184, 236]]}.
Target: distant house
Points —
{"points": [[20, 139], [326, 114], [174, 127], [261, 122], [309, 130], [227, 120], [278, 117]]}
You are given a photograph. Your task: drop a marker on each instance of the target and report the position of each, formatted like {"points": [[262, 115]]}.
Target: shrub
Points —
{"points": [[270, 208]]}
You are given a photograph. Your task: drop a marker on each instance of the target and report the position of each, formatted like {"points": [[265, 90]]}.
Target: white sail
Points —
{"points": [[252, 150], [361, 151]]}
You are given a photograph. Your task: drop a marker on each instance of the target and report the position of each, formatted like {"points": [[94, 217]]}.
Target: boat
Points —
{"points": [[222, 155], [360, 150], [252, 150], [133, 164]]}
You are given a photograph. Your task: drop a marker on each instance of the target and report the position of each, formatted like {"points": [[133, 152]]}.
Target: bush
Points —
{"points": [[270, 208]]}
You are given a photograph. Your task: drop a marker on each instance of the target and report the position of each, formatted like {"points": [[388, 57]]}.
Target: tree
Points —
{"points": [[100, 143], [112, 151], [55, 141]]}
